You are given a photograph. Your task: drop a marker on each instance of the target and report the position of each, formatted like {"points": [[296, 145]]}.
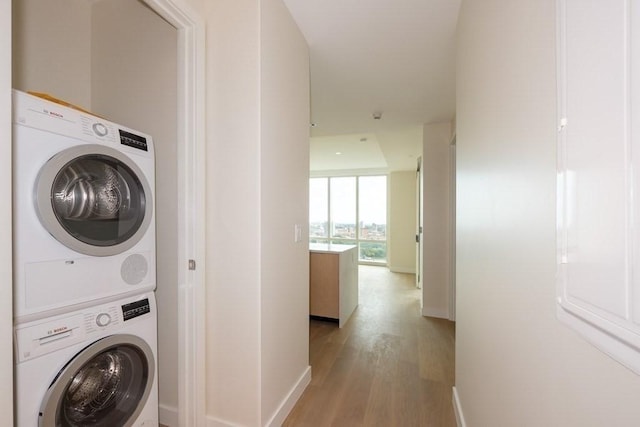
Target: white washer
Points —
{"points": [[95, 367], [84, 223]]}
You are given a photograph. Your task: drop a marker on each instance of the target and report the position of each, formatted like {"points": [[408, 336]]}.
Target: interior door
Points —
{"points": [[6, 299], [419, 224], [452, 231]]}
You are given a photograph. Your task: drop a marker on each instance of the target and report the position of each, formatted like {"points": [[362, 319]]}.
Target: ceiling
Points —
{"points": [[393, 57]]}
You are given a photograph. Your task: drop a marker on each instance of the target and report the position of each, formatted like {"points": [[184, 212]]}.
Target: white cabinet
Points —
{"points": [[599, 173]]}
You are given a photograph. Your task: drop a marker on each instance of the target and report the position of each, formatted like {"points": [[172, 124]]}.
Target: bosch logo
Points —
{"points": [[54, 114], [57, 330]]}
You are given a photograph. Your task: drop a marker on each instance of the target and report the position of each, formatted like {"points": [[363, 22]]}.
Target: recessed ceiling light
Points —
{"points": [[313, 125], [338, 153], [363, 139]]}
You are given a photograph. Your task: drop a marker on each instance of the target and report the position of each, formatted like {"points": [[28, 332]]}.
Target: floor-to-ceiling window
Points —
{"points": [[350, 210]]}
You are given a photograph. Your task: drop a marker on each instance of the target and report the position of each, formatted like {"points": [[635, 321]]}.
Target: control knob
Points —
{"points": [[100, 129], [103, 319]]}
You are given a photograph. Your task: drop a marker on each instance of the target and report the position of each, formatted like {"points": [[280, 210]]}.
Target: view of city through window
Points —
{"points": [[350, 210]]}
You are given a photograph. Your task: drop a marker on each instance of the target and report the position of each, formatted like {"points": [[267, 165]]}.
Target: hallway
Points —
{"points": [[389, 366]]}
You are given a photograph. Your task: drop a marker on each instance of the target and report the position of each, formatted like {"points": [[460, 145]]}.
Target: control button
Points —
{"points": [[100, 129], [103, 319]]}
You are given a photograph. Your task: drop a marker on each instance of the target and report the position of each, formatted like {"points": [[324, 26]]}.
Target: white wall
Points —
{"points": [[233, 211], [402, 222], [6, 289], [284, 181], [134, 66], [516, 364], [51, 48], [436, 208], [257, 335]]}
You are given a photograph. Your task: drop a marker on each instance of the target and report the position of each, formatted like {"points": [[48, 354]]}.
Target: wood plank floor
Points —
{"points": [[388, 366]]}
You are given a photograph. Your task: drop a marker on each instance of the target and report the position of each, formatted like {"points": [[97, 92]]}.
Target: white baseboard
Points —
{"points": [[441, 313], [215, 422], [457, 409], [289, 402], [409, 270], [283, 410], [168, 415]]}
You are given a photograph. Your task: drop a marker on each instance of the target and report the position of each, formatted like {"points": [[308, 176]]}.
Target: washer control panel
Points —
{"points": [[44, 336], [135, 309]]}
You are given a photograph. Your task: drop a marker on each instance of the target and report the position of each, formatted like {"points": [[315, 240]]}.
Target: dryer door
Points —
{"points": [[107, 384], [94, 200]]}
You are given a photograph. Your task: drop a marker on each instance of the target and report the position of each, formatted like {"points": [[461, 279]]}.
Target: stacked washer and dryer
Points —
{"points": [[85, 322]]}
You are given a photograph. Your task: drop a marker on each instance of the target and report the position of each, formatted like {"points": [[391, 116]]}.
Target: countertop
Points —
{"points": [[329, 248]]}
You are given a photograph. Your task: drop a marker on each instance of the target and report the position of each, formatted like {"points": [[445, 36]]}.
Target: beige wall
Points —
{"points": [[284, 180], [134, 82], [516, 364], [51, 48], [436, 233], [6, 299], [233, 212], [402, 222], [257, 117]]}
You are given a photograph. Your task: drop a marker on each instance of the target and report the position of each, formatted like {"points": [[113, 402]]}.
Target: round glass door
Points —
{"points": [[105, 385], [94, 200]]}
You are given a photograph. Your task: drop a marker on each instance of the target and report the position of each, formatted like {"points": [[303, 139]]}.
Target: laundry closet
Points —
{"points": [[117, 59]]}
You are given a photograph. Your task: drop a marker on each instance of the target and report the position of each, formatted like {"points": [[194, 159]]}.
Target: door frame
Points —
{"points": [[452, 229], [419, 223], [6, 248], [191, 213]]}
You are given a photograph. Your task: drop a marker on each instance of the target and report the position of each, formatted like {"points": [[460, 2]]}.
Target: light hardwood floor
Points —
{"points": [[388, 366]]}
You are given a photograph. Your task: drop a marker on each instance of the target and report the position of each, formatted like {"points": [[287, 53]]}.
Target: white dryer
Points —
{"points": [[83, 197], [95, 367]]}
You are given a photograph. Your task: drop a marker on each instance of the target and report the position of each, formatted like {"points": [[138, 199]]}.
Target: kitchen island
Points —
{"points": [[333, 281]]}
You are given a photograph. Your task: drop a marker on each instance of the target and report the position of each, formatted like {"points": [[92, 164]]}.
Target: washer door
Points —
{"points": [[94, 200], [105, 385]]}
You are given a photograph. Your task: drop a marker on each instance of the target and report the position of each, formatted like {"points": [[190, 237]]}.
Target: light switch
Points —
{"points": [[297, 233]]}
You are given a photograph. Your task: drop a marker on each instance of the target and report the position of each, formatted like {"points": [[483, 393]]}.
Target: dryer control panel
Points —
{"points": [[38, 113], [133, 140]]}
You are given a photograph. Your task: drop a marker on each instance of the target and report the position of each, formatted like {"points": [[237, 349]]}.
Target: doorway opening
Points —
{"points": [[153, 80]]}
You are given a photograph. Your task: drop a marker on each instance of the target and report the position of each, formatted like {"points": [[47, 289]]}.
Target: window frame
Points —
{"points": [[329, 238]]}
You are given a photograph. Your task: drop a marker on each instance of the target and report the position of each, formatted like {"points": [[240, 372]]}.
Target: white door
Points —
{"points": [[419, 224], [452, 230], [6, 298], [598, 240]]}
